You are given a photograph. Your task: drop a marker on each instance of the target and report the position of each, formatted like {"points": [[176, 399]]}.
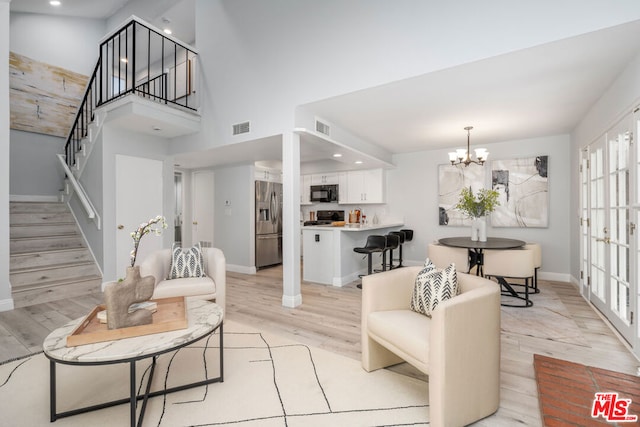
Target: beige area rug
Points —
{"points": [[547, 319], [268, 381]]}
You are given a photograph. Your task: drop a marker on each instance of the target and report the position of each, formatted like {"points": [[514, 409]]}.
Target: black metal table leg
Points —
{"points": [[52, 390], [132, 390]]}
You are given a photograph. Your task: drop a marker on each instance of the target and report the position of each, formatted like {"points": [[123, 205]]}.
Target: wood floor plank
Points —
{"points": [[329, 318]]}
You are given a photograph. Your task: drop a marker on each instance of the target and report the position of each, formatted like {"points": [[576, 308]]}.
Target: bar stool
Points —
{"points": [[393, 242], [408, 234], [400, 235], [374, 244]]}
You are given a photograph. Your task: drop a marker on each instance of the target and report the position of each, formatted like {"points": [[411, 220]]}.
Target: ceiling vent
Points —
{"points": [[241, 128], [323, 128]]}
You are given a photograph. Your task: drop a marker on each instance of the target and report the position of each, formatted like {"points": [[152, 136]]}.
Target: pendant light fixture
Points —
{"points": [[462, 157]]}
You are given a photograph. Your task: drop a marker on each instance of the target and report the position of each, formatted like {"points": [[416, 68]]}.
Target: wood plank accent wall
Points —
{"points": [[43, 98]]}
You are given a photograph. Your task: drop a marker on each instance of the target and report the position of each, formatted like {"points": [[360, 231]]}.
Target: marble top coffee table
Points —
{"points": [[204, 318]]}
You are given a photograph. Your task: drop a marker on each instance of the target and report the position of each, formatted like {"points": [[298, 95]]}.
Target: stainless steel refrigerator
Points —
{"points": [[268, 223]]}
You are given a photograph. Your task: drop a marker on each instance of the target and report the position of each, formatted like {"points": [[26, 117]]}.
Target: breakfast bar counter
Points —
{"points": [[328, 251]]}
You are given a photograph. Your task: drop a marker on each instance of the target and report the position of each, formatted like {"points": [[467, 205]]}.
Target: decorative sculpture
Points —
{"points": [[119, 296]]}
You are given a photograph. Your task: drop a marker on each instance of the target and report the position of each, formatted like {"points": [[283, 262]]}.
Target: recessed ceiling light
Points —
{"points": [[337, 155], [125, 60], [167, 31], [55, 3], [358, 162]]}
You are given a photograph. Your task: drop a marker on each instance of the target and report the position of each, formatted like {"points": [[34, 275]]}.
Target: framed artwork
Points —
{"points": [[44, 98], [523, 185], [451, 179]]}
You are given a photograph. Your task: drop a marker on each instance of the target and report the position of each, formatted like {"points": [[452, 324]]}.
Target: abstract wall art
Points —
{"points": [[43, 98], [523, 185], [451, 180]]}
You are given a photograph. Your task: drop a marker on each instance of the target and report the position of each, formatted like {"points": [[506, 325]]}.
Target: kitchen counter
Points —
{"points": [[328, 251], [354, 227]]}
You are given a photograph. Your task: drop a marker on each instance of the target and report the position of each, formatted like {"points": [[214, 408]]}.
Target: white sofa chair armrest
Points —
{"points": [[216, 268], [465, 356]]}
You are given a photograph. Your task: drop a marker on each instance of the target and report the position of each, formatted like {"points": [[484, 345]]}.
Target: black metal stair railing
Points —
{"points": [[140, 60]]}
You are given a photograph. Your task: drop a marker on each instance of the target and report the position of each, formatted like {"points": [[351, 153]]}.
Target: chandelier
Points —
{"points": [[462, 157]]}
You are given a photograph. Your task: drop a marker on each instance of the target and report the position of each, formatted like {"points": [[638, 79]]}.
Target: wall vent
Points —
{"points": [[241, 128], [323, 128]]}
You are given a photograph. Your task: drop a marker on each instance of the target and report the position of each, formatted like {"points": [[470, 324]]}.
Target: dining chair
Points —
{"points": [[511, 264], [537, 263], [442, 256]]}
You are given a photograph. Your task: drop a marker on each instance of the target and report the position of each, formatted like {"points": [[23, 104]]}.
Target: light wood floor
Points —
{"points": [[329, 318]]}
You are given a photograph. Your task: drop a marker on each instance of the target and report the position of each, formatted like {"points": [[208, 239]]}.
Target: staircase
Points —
{"points": [[49, 260]]}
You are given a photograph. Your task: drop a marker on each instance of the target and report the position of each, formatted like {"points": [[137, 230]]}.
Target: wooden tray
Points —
{"points": [[170, 316]]}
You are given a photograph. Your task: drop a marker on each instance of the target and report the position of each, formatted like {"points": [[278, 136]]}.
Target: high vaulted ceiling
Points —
{"points": [[535, 92]]}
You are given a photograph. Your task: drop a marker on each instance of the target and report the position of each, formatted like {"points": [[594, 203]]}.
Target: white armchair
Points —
{"points": [[458, 347], [211, 287]]}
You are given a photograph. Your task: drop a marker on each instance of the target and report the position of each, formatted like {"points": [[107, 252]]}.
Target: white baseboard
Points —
{"points": [[556, 277], [341, 281], [242, 269], [6, 304], [291, 301], [22, 198]]}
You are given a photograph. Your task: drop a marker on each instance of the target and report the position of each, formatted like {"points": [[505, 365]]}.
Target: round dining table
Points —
{"points": [[476, 247], [476, 259]]}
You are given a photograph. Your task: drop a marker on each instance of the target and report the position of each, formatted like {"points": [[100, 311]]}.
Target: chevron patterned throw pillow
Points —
{"points": [[432, 287], [186, 262]]}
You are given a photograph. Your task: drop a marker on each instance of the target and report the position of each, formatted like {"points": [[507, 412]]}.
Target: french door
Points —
{"points": [[609, 254]]}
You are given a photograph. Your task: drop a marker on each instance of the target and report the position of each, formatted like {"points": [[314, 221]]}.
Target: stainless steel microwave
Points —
{"points": [[324, 193]]}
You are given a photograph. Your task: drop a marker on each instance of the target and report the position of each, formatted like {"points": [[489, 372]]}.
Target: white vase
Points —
{"points": [[474, 229], [482, 228]]}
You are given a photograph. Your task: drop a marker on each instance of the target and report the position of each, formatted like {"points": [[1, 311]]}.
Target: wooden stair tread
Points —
{"points": [[57, 266], [55, 283]]}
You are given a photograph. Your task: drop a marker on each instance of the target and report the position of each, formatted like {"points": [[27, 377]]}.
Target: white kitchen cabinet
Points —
{"points": [[324, 178], [305, 190], [264, 174], [365, 186]]}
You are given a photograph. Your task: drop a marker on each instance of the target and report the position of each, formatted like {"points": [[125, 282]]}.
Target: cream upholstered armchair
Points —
{"points": [[458, 347], [211, 287]]}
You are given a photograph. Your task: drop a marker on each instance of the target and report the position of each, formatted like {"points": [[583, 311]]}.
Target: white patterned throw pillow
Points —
{"points": [[186, 262], [433, 287]]}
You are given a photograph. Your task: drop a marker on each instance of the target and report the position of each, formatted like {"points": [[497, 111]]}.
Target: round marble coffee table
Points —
{"points": [[204, 318]]}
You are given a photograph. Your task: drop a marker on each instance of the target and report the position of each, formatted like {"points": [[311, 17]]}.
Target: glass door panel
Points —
{"points": [[597, 230], [584, 222]]}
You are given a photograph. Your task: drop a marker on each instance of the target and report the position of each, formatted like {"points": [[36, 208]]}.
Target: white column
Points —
{"points": [[291, 296], [6, 302]]}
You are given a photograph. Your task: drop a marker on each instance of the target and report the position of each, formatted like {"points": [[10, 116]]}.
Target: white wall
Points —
{"points": [[412, 193], [34, 168], [66, 42], [6, 303]]}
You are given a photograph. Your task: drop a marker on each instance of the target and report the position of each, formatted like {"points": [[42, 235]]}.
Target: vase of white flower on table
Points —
{"points": [[477, 208], [119, 296]]}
